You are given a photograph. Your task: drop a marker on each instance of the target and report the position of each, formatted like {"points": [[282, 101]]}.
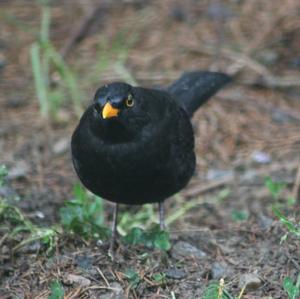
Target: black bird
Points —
{"points": [[135, 145]]}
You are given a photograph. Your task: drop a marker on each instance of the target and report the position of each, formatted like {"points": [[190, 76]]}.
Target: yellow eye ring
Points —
{"points": [[129, 101]]}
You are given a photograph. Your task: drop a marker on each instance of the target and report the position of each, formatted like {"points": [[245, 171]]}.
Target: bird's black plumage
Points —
{"points": [[193, 89], [135, 145]]}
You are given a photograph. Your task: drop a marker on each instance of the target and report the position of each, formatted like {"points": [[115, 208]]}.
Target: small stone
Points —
{"points": [[220, 270], [175, 273], [8, 193], [71, 279], [61, 146], [261, 157], [250, 281], [116, 292], [218, 11], [84, 262], [183, 249], [16, 102], [217, 174], [18, 171], [282, 117], [32, 247], [264, 222]]}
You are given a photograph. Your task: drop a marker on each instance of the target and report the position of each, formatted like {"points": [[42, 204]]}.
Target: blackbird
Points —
{"points": [[135, 145]]}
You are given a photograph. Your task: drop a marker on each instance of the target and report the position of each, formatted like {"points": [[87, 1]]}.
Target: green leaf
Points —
{"points": [[57, 291], [162, 241], [291, 226], [213, 291], [154, 238], [3, 174], [159, 278], [84, 215], [274, 187], [292, 290], [238, 216], [133, 278]]}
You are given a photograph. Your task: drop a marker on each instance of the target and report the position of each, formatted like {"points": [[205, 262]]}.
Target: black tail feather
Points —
{"points": [[193, 89]]}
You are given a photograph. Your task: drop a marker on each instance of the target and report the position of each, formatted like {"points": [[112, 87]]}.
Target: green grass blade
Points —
{"points": [[45, 25], [40, 84]]}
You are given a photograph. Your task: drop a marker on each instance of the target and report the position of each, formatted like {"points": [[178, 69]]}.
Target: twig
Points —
{"points": [[104, 278], [81, 30], [194, 191], [241, 60]]}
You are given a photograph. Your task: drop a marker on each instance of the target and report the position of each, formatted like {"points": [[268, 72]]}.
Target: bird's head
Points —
{"points": [[114, 100], [119, 108]]}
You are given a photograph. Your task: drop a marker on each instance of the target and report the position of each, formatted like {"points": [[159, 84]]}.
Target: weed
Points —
{"points": [[47, 236], [274, 188], [216, 291], [159, 278], [133, 278], [84, 215], [292, 226], [57, 290], [154, 238], [293, 290], [13, 215], [145, 216], [44, 59], [3, 174], [239, 215]]}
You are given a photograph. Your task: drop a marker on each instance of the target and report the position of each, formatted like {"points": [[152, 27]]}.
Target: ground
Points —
{"points": [[247, 132]]}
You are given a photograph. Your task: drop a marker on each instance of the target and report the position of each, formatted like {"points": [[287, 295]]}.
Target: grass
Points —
{"points": [[292, 226], [46, 64], [84, 215], [216, 290], [13, 216], [57, 85], [57, 290], [154, 238], [292, 290]]}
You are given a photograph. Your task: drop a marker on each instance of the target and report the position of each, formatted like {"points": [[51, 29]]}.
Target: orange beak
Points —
{"points": [[109, 111]]}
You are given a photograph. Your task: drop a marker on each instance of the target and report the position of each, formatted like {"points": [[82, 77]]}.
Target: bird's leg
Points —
{"points": [[113, 232], [161, 215]]}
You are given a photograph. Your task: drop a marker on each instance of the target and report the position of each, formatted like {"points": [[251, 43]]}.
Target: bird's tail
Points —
{"points": [[193, 89]]}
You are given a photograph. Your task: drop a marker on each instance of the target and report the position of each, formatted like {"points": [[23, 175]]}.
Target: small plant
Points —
{"points": [[274, 188], [159, 278], [84, 215], [216, 291], [145, 216], [293, 290], [239, 215], [154, 238], [14, 216], [292, 226], [3, 174], [57, 290], [133, 278]]}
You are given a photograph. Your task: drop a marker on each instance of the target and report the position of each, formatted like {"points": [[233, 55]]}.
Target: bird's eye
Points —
{"points": [[129, 101], [97, 107]]}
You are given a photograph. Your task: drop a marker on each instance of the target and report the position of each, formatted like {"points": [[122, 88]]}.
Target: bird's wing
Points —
{"points": [[193, 89]]}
